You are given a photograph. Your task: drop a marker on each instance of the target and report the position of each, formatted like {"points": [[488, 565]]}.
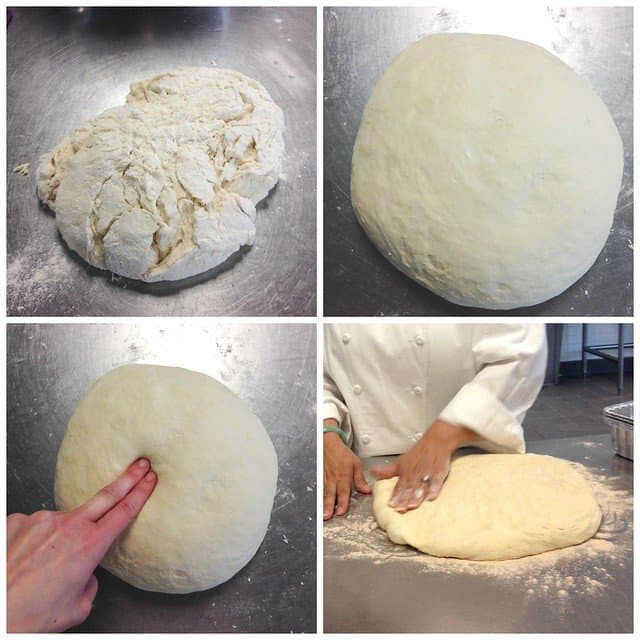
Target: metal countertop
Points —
{"points": [[271, 367], [397, 594], [65, 65], [359, 44]]}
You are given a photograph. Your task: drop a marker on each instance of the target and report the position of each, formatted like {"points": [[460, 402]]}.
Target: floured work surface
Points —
{"points": [[372, 584]]}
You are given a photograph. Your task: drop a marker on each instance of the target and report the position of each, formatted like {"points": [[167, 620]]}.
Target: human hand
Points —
{"points": [[424, 468], [342, 469], [51, 555]]}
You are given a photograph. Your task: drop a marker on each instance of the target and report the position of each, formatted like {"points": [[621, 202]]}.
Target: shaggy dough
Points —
{"points": [[165, 186], [486, 169], [496, 507], [216, 466]]}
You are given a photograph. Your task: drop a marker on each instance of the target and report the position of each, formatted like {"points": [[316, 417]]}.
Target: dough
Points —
{"points": [[496, 507], [486, 169], [216, 466], [165, 186]]}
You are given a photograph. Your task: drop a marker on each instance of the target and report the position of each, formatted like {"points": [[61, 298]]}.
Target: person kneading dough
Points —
{"points": [[422, 391]]}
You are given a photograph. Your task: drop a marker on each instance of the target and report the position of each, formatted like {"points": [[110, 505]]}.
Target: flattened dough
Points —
{"points": [[486, 169], [496, 507], [216, 466]]}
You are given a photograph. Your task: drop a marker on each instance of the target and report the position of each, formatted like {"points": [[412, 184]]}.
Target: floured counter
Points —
{"points": [[373, 585]]}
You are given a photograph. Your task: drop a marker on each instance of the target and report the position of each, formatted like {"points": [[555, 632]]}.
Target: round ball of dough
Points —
{"points": [[496, 507], [216, 466], [486, 169]]}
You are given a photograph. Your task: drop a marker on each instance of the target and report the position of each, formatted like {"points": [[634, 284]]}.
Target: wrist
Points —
{"points": [[451, 436], [331, 439], [330, 425]]}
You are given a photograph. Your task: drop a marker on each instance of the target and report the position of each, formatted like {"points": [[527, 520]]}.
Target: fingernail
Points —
{"points": [[143, 463], [150, 477]]}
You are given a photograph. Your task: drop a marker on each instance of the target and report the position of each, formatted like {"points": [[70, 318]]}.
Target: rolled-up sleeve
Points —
{"points": [[510, 362]]}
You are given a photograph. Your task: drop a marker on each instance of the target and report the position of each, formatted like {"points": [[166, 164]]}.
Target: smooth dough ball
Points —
{"points": [[216, 466], [487, 170], [496, 507], [165, 186]]}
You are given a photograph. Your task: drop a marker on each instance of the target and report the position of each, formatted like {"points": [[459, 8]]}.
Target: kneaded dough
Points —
{"points": [[486, 169], [165, 186], [216, 466], [496, 507]]}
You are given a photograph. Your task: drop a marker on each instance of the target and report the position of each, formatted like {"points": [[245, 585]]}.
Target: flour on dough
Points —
{"points": [[165, 186], [216, 466], [496, 507], [22, 169], [486, 169]]}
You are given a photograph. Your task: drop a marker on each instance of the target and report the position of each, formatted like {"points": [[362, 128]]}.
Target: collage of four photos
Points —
{"points": [[319, 319]]}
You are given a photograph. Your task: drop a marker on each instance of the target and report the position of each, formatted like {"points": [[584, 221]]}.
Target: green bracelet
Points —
{"points": [[343, 436]]}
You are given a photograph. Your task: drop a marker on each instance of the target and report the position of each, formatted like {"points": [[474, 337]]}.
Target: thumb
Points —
{"points": [[359, 481], [383, 473]]}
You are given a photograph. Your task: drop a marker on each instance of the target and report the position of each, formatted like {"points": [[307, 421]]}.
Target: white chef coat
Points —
{"points": [[386, 384]]}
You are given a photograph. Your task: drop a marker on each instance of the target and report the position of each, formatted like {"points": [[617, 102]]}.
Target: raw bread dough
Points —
{"points": [[486, 169], [216, 466], [165, 186], [496, 507]]}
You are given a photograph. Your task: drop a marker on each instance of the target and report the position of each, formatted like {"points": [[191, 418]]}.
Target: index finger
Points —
{"points": [[110, 495], [329, 499], [115, 521]]}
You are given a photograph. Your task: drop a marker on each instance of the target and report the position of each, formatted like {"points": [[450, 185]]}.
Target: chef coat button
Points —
{"points": [[346, 338], [417, 390], [357, 389], [365, 439], [419, 340], [417, 437]]}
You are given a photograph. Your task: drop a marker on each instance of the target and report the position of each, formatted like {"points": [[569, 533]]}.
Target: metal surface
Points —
{"points": [[360, 596], [360, 43], [271, 367], [619, 419], [622, 411], [621, 438], [66, 65]]}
